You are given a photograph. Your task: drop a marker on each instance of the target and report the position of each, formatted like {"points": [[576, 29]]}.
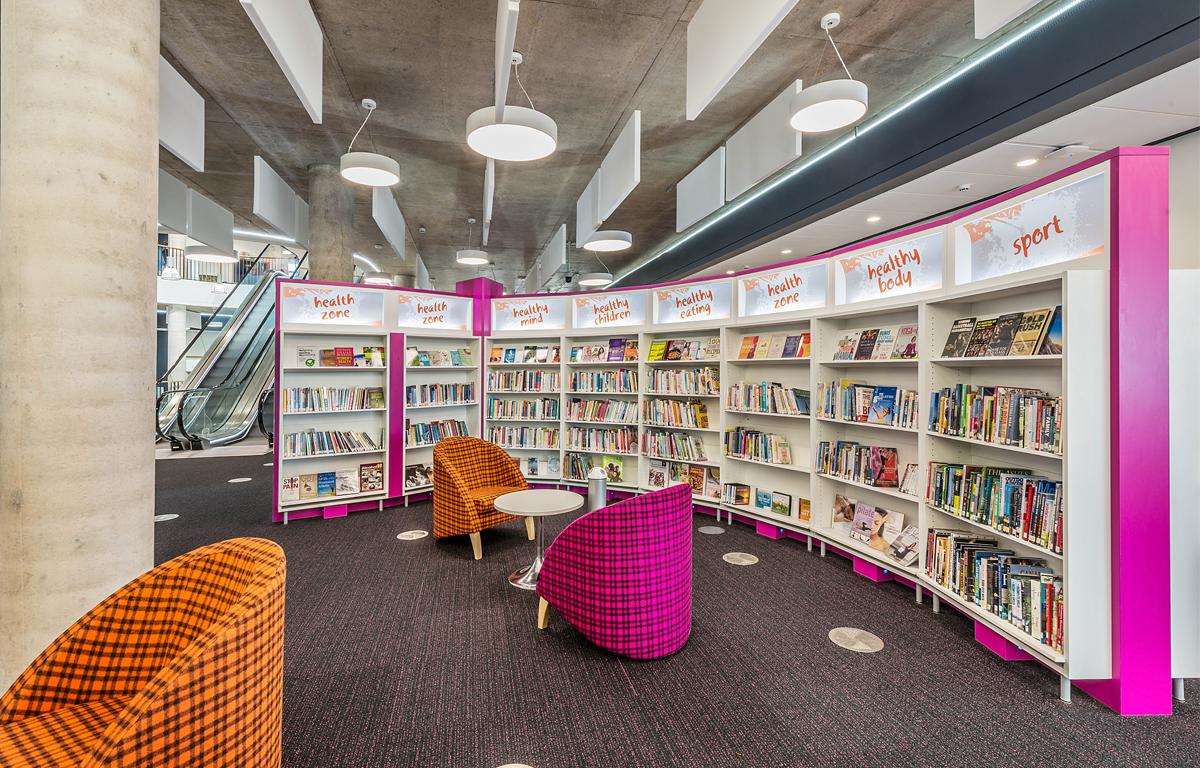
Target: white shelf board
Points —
{"points": [[324, 413], [440, 405], [589, 451], [767, 360], [841, 541], [542, 364], [605, 423], [687, 363], [993, 532], [333, 455], [788, 467], [418, 489], [789, 522], [679, 428], [992, 362], [768, 413], [705, 463], [433, 368], [523, 392], [893, 492], [540, 421], [867, 424], [329, 501], [338, 369], [606, 393], [985, 444], [606, 363], [677, 394], [912, 363]]}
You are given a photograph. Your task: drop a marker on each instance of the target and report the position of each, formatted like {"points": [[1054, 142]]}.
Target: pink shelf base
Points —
{"points": [[768, 530], [999, 645]]}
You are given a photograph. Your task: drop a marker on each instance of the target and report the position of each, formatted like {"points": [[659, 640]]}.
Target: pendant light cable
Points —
{"points": [[839, 55], [370, 111], [518, 76]]}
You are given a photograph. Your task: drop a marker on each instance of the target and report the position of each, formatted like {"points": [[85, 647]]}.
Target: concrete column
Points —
{"points": [[330, 225], [79, 138], [177, 332]]}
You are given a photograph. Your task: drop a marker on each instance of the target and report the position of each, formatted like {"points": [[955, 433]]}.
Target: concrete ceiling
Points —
{"points": [[588, 64]]}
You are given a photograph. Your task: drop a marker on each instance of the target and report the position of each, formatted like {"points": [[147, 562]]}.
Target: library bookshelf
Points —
{"points": [[601, 408], [522, 406]]}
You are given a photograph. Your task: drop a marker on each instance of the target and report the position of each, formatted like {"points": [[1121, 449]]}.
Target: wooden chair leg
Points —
{"points": [[529, 527], [543, 613], [477, 545]]}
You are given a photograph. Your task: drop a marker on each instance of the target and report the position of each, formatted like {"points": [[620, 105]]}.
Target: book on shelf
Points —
{"points": [[510, 355], [657, 476], [678, 472], [328, 358], [791, 347], [980, 336], [423, 359], [346, 481], [314, 443], [497, 355], [616, 350], [1003, 333], [888, 526], [906, 343], [911, 477], [1011, 500], [308, 487], [749, 344], [959, 338], [766, 397], [775, 351], [757, 445], [418, 476], [864, 520], [466, 356], [556, 354], [696, 479], [343, 357], [658, 350], [762, 500], [712, 348], [631, 351], [455, 357], [882, 407], [532, 466], [675, 350], [1029, 333], [542, 355], [614, 469], [1014, 416], [577, 466], [867, 464], [712, 482], [290, 490], [847, 346], [736, 494], [885, 342], [781, 503], [1052, 340], [326, 484], [530, 355], [375, 357], [370, 477], [428, 433], [306, 357], [805, 510], [866, 344], [553, 466], [763, 348], [843, 513], [904, 548]]}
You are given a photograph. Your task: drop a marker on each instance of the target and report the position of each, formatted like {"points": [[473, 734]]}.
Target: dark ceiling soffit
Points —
{"points": [[1092, 51]]}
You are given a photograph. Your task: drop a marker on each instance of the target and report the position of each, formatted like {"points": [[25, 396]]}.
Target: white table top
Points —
{"points": [[539, 502]]}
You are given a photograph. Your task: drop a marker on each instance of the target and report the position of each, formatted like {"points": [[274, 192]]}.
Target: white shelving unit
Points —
{"points": [[427, 409], [577, 391], [514, 397]]}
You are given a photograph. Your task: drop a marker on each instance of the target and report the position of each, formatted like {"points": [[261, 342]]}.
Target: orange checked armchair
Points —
{"points": [[181, 667], [468, 475]]}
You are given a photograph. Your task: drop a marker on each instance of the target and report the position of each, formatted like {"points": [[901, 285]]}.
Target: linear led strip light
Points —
{"points": [[873, 123]]}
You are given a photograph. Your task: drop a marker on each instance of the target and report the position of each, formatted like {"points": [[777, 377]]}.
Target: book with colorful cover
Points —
{"points": [[306, 357], [791, 346], [657, 350], [696, 478], [370, 477], [556, 354], [980, 337], [884, 343], [884, 533], [781, 504], [541, 355], [553, 466], [883, 406], [343, 357], [510, 355], [843, 513], [712, 483], [805, 350], [762, 499], [616, 350], [959, 337], [466, 356], [864, 522], [375, 397], [532, 464], [906, 343], [423, 359], [290, 490], [884, 473], [805, 510], [679, 472], [778, 340], [904, 549], [631, 351], [614, 468], [657, 477], [675, 349], [749, 344], [1030, 331], [411, 357], [346, 481], [497, 355], [712, 348], [376, 357], [763, 347], [308, 487], [847, 346], [1052, 341], [1002, 335], [456, 358], [328, 358], [574, 358], [866, 344], [326, 484], [531, 352]]}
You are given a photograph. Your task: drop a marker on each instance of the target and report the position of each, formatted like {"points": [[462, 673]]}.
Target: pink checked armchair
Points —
{"points": [[622, 575]]}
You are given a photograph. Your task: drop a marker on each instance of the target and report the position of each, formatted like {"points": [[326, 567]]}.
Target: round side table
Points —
{"points": [[536, 503]]}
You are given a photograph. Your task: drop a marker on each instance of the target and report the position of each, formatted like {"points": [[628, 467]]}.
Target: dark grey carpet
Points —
{"points": [[410, 653]]}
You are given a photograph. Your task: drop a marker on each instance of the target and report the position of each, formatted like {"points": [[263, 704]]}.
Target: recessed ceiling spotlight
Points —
{"points": [[1027, 163], [609, 240], [832, 104], [729, 271], [368, 168], [786, 251], [872, 219]]}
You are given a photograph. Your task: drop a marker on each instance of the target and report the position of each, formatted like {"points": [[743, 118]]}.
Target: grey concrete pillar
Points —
{"points": [[78, 148], [330, 225], [177, 337]]}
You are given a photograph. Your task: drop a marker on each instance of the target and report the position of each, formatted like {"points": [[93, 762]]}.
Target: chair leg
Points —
{"points": [[529, 527], [477, 545], [543, 613]]}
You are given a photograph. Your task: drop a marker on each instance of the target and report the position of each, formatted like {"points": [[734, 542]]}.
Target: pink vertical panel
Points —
{"points": [[768, 530], [1139, 472], [276, 514], [482, 290], [396, 411]]}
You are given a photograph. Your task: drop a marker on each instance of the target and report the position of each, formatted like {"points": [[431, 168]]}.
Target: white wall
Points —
{"points": [[1185, 201]]}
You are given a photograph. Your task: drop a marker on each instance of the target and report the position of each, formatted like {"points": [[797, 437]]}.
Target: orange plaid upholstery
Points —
{"points": [[182, 666], [468, 475]]}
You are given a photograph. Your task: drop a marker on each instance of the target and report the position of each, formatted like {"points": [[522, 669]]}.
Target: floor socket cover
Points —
{"points": [[410, 535], [240, 480], [710, 529], [740, 558], [858, 640], [161, 518]]}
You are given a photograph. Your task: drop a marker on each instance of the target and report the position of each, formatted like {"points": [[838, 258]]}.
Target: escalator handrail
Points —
{"points": [[249, 271], [158, 409], [262, 407]]}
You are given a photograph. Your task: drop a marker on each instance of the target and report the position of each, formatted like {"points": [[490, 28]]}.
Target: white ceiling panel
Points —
{"points": [[700, 192], [946, 183], [1002, 159], [291, 32], [274, 200], [180, 116], [1176, 92], [587, 210], [1103, 128], [763, 145], [621, 169]]}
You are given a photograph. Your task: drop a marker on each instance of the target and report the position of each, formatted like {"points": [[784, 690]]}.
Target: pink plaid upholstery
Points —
{"points": [[622, 575]]}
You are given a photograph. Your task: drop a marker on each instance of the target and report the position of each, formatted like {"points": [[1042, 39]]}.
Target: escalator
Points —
{"points": [[220, 400]]}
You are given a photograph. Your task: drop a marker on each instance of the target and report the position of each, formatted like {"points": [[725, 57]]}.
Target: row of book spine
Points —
{"points": [[623, 411], [327, 442], [675, 413], [524, 381], [752, 397], [439, 394], [544, 408], [756, 445], [318, 399], [623, 381], [430, 432], [1010, 501], [671, 381], [1023, 591], [524, 437], [672, 445], [855, 401], [577, 466], [868, 464], [1024, 418], [622, 440]]}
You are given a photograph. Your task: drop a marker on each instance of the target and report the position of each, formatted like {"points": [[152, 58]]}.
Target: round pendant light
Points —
{"points": [[829, 105], [209, 254], [370, 169], [472, 257], [524, 134], [377, 278], [595, 279], [608, 240], [169, 273]]}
